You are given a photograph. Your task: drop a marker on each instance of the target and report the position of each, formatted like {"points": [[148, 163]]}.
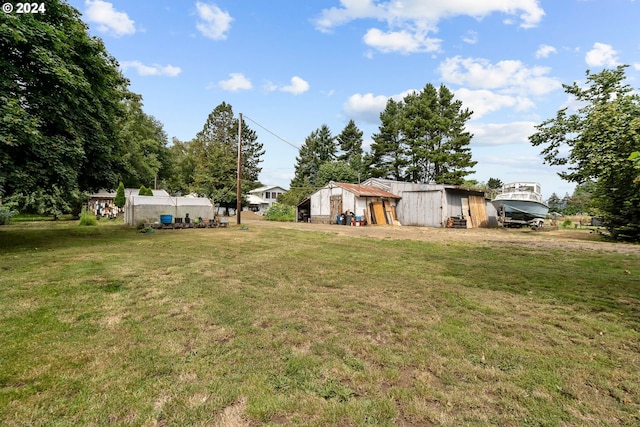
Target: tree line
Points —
{"points": [[69, 124], [422, 138]]}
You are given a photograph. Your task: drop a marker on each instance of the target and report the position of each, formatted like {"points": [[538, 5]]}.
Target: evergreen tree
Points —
{"points": [[350, 142], [318, 148], [215, 156], [422, 139], [387, 159], [120, 200], [554, 203], [494, 183], [437, 144]]}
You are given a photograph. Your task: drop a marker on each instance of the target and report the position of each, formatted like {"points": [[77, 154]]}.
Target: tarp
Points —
{"points": [[140, 209]]}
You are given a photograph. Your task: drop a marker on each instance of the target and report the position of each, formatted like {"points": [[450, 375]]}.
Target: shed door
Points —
{"points": [[465, 211], [335, 208], [478, 209]]}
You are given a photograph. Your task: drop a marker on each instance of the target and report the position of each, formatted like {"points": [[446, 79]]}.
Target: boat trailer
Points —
{"points": [[508, 222]]}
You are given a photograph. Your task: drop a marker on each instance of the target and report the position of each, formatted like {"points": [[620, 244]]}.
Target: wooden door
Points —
{"points": [[335, 208]]}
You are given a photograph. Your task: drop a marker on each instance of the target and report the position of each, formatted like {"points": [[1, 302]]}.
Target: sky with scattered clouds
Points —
{"points": [[291, 66]]}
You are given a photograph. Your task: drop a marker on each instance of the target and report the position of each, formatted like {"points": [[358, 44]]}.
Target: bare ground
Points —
{"points": [[582, 240]]}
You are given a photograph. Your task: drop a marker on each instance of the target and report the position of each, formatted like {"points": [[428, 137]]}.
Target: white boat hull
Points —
{"points": [[521, 210]]}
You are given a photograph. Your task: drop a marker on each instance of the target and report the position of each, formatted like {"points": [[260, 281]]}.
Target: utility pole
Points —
{"points": [[239, 185]]}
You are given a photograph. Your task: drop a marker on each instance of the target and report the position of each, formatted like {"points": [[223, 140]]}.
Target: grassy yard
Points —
{"points": [[272, 326]]}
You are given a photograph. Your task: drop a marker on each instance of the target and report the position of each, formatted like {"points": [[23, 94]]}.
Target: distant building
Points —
{"points": [[261, 199], [101, 203]]}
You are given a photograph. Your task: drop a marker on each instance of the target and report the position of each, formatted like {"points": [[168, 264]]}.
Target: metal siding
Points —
{"points": [[420, 208], [454, 205], [492, 214]]}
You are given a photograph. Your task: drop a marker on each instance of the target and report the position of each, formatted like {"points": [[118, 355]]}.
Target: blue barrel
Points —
{"points": [[166, 219]]}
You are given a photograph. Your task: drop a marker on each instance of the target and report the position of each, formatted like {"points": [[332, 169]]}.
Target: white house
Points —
{"points": [[261, 199]]}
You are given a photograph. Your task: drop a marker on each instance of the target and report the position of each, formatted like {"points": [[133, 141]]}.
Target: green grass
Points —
{"points": [[106, 325]]}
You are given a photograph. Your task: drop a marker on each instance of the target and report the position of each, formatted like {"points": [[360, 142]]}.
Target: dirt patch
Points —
{"points": [[581, 240], [232, 416]]}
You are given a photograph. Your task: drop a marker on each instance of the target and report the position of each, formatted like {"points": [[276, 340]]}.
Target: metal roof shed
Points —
{"points": [[326, 204]]}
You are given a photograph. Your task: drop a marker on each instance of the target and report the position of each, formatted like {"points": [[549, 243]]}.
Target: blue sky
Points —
{"points": [[292, 66]]}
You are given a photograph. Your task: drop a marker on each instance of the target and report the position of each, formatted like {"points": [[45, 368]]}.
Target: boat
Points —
{"points": [[520, 203]]}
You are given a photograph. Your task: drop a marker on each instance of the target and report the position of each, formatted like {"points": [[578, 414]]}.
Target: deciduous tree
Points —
{"points": [[598, 138], [61, 97]]}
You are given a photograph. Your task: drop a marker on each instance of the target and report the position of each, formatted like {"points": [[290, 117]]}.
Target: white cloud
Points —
{"points": [[297, 86], [410, 21], [492, 134], [471, 37], [394, 11], [365, 107], [368, 107], [508, 76], [236, 82], [213, 23], [483, 101], [108, 19], [545, 50], [602, 55], [151, 70], [400, 41]]}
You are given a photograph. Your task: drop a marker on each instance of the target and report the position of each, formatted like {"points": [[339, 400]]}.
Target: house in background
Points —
{"points": [[261, 199], [101, 203]]}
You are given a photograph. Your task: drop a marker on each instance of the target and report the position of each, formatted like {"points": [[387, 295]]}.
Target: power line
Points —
{"points": [[272, 133]]}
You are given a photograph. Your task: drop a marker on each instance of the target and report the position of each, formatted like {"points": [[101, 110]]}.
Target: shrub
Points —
{"points": [[6, 214], [87, 218], [280, 212], [144, 191], [567, 223], [119, 200]]}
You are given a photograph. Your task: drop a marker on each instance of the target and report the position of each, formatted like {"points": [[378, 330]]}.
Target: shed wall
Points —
{"points": [[420, 208]]}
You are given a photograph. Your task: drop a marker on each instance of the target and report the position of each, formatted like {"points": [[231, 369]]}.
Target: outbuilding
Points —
{"points": [[101, 203], [434, 205], [382, 201], [370, 204], [143, 209]]}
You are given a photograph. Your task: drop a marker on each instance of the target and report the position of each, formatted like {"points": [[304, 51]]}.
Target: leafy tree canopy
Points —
{"points": [[338, 171], [599, 137], [61, 97]]}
